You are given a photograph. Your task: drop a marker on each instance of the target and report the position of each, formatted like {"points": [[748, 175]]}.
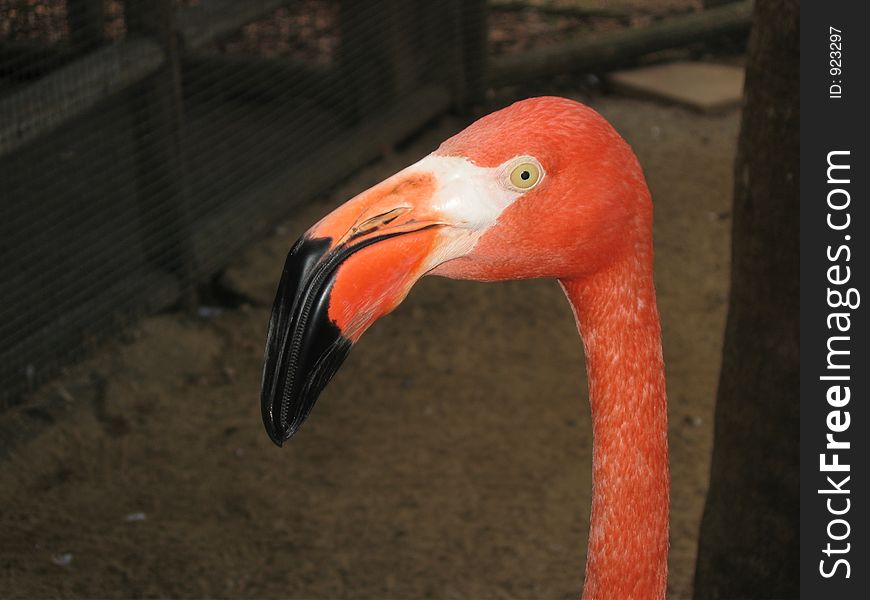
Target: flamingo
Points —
{"points": [[545, 188]]}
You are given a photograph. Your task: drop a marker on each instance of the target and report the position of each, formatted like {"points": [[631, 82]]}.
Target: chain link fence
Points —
{"points": [[144, 142]]}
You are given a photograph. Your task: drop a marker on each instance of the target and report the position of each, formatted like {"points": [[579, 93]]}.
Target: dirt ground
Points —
{"points": [[450, 457]]}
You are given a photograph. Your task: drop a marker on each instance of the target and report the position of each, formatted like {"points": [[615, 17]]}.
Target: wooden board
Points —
{"points": [[701, 86]]}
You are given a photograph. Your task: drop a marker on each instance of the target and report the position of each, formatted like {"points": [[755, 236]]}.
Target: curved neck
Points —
{"points": [[619, 323]]}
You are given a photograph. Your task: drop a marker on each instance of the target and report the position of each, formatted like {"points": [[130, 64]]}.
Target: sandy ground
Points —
{"points": [[450, 457]]}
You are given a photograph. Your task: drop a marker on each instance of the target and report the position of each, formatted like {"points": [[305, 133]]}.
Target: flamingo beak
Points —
{"points": [[353, 267]]}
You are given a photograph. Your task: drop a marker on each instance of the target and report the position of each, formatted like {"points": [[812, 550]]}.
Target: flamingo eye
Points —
{"points": [[525, 175]]}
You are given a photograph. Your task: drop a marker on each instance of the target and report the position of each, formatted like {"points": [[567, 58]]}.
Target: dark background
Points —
{"points": [[828, 125]]}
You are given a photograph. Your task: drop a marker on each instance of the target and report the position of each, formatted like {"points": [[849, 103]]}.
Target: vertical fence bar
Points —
{"points": [[475, 48], [401, 47], [433, 43], [467, 50], [159, 130], [455, 51], [363, 56], [86, 23]]}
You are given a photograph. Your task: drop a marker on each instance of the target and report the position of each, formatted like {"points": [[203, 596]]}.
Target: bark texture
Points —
{"points": [[749, 535]]}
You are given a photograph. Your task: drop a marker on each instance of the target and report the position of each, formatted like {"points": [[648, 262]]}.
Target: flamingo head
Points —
{"points": [[544, 188]]}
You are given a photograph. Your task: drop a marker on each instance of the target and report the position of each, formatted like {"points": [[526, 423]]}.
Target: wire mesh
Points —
{"points": [[143, 142]]}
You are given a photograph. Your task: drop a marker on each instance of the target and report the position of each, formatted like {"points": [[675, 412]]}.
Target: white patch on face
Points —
{"points": [[471, 199]]}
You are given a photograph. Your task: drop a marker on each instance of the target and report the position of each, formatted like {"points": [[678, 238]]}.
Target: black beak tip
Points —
{"points": [[276, 436], [304, 347]]}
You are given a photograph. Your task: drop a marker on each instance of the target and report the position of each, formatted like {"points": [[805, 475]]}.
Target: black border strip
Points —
{"points": [[830, 122]]}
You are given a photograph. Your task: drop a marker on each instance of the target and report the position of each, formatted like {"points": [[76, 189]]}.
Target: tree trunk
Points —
{"points": [[749, 533]]}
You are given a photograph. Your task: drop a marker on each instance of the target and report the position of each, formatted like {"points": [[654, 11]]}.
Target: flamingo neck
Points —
{"points": [[619, 323]]}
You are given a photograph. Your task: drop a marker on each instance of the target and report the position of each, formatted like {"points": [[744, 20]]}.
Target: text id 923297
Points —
{"points": [[835, 63]]}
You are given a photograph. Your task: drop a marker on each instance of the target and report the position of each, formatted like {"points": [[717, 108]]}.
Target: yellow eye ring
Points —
{"points": [[525, 175]]}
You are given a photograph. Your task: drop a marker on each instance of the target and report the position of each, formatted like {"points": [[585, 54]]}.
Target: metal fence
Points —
{"points": [[143, 142]]}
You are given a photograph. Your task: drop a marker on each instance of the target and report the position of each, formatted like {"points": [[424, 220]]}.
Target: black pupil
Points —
{"points": [[525, 175]]}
